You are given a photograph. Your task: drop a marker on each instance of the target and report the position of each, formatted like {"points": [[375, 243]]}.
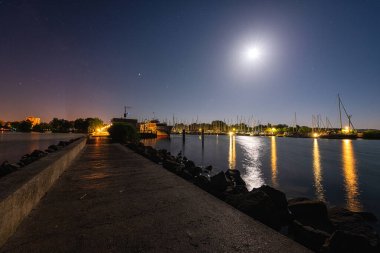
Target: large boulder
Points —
{"points": [[353, 227], [347, 242], [193, 171], [6, 168], [278, 197], [311, 213], [258, 205], [308, 236], [219, 182], [234, 176], [203, 182], [38, 153], [171, 165]]}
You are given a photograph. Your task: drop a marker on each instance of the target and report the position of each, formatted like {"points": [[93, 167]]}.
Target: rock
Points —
{"points": [[63, 143], [203, 182], [208, 168], [219, 182], [312, 213], [193, 171], [27, 159], [49, 150], [258, 205], [234, 176], [309, 237], [53, 147], [297, 200], [38, 153], [170, 165], [6, 168], [189, 164], [347, 242], [367, 216], [353, 225], [278, 197]]}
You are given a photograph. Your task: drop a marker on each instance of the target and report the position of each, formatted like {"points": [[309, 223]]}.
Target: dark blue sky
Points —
{"points": [[90, 58]]}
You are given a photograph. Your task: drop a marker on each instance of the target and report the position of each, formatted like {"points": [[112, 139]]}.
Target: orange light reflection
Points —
{"points": [[350, 176]]}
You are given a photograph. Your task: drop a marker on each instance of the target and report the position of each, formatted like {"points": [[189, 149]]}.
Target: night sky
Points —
{"points": [[188, 58]]}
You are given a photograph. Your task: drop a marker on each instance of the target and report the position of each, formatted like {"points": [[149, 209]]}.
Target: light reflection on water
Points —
{"points": [[232, 153], [350, 176], [274, 161], [252, 174], [317, 171], [341, 172]]}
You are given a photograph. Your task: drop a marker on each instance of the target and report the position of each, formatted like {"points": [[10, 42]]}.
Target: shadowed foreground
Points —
{"points": [[113, 200]]}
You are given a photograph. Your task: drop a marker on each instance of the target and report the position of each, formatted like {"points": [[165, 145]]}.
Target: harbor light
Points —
{"points": [[346, 129]]}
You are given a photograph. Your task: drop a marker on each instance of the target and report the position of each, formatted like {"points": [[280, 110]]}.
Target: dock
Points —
{"points": [[111, 199]]}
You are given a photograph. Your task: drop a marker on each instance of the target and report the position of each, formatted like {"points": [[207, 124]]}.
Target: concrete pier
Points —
{"points": [[113, 200]]}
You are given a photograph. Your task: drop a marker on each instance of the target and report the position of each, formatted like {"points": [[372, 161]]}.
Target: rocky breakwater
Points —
{"points": [[7, 168], [309, 222]]}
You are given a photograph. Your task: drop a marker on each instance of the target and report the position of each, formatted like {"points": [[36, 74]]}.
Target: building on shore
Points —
{"points": [[155, 127], [34, 120], [132, 122]]}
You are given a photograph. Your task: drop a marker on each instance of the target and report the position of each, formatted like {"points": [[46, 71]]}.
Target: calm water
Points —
{"points": [[340, 172], [15, 145]]}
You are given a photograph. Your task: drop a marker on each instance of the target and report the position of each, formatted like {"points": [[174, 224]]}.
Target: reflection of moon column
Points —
{"points": [[232, 153], [274, 161], [317, 172], [350, 177]]}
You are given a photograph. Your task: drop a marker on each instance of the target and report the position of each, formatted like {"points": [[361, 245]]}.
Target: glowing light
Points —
{"points": [[253, 53], [346, 129], [315, 135], [231, 133]]}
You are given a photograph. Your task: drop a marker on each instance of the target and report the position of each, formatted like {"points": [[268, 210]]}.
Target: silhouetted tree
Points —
{"points": [[60, 125], [41, 127], [24, 126], [81, 125], [93, 124], [122, 132]]}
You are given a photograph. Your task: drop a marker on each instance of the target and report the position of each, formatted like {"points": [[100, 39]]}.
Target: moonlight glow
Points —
{"points": [[253, 53]]}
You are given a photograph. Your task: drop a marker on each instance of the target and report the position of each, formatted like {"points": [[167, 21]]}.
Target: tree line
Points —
{"points": [[56, 125]]}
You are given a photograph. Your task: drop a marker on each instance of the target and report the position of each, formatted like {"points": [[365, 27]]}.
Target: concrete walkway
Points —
{"points": [[113, 200]]}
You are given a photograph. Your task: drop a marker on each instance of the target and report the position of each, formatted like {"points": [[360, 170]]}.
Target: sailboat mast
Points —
{"points": [[340, 113]]}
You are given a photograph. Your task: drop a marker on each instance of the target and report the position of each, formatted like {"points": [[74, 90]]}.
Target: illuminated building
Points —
{"points": [[34, 120]]}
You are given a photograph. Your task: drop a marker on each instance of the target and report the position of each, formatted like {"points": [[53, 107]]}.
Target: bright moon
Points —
{"points": [[253, 53]]}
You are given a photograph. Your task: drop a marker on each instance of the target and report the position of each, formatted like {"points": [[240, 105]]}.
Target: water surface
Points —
{"points": [[13, 145], [340, 172]]}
